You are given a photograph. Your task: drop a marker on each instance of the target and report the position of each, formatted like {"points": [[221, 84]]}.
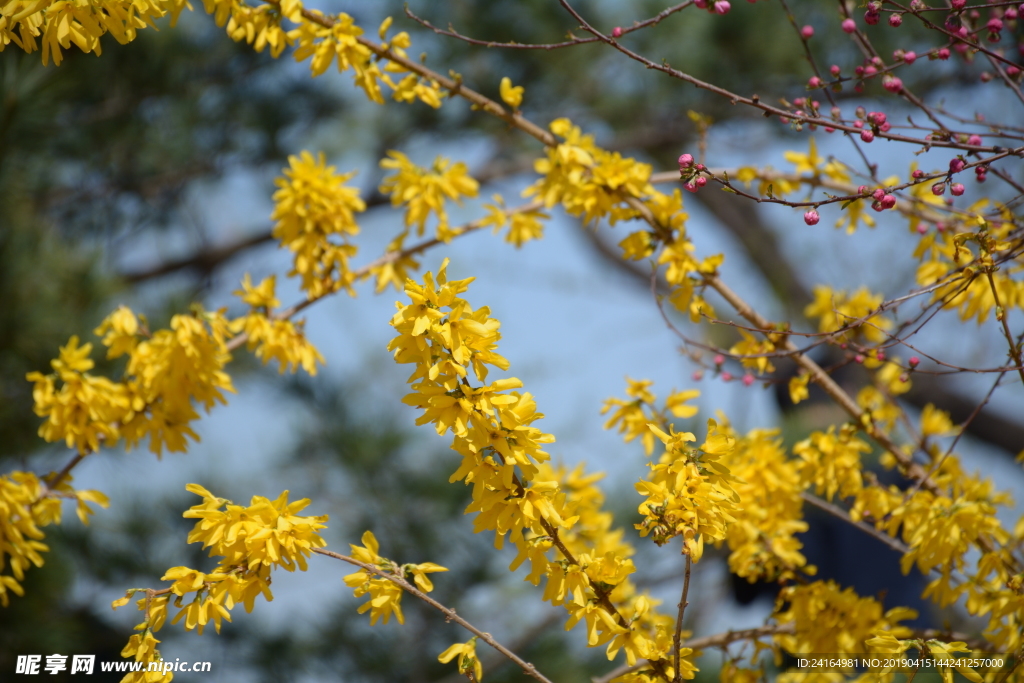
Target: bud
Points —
{"points": [[748, 380], [849, 25], [617, 32], [956, 165], [939, 189], [685, 161], [888, 201], [814, 82], [719, 359], [892, 83], [867, 135], [957, 189], [909, 57], [726, 376], [895, 20], [913, 362], [722, 7], [808, 31], [811, 217]]}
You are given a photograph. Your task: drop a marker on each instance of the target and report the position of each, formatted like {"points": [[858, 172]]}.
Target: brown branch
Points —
{"points": [[679, 619], [449, 614]]}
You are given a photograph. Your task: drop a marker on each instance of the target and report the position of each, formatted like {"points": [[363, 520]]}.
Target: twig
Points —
{"points": [[450, 615]]}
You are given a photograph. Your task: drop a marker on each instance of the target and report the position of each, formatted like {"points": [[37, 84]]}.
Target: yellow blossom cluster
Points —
{"points": [[690, 492], [828, 618], [385, 595], [763, 538], [273, 337], [962, 261], [836, 310], [515, 492], [587, 180], [423, 192], [250, 541], [523, 226], [27, 504], [168, 372], [312, 206], [54, 25]]}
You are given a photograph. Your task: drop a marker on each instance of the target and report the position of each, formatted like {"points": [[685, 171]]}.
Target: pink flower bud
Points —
{"points": [[974, 140], [1010, 14], [880, 355], [726, 376], [700, 167], [867, 135], [849, 25], [698, 375], [722, 7], [943, 53], [808, 32], [877, 205], [892, 84], [895, 20], [811, 217], [719, 359], [909, 57], [957, 189], [904, 378], [994, 24], [871, 18], [690, 186], [870, 70], [885, 127], [685, 161], [888, 201], [701, 181], [814, 82], [701, 4], [939, 189], [835, 70], [1012, 71], [917, 174], [859, 358], [922, 229], [748, 380], [958, 4], [862, 189], [914, 361], [878, 194], [956, 164], [617, 32]]}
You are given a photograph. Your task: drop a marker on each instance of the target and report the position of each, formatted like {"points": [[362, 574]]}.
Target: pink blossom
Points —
{"points": [[849, 25], [811, 217], [808, 32]]}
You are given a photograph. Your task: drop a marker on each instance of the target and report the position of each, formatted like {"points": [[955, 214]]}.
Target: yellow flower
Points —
{"points": [[935, 422], [512, 95], [424, 192], [468, 661], [419, 574], [260, 296], [315, 216]]}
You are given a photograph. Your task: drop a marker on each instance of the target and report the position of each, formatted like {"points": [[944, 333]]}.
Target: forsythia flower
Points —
{"points": [[513, 96], [589, 181], [832, 463], [58, 24], [690, 493], [275, 338], [468, 661], [836, 310], [826, 618], [385, 595], [312, 206], [424, 192]]}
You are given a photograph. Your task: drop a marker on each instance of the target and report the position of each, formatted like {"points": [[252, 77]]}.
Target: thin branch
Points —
{"points": [[450, 615], [679, 618]]}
